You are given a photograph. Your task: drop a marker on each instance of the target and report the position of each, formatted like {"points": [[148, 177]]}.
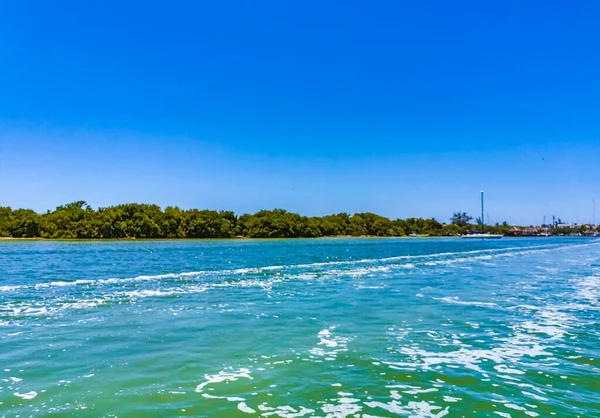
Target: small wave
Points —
{"points": [[456, 301]]}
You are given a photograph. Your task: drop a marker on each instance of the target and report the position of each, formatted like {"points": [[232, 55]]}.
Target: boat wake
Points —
{"points": [[54, 298]]}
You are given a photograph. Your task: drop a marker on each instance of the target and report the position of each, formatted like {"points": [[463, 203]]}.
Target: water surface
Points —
{"points": [[301, 328]]}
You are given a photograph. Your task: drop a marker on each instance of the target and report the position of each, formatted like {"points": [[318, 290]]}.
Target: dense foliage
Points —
{"points": [[461, 218], [132, 220]]}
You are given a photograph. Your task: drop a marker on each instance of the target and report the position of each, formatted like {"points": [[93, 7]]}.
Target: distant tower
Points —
{"points": [[482, 220]]}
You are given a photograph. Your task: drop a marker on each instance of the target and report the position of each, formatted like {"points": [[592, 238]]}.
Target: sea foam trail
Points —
{"points": [[50, 306], [259, 270]]}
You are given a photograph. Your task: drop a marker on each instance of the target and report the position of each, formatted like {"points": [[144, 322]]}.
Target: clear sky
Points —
{"points": [[403, 108]]}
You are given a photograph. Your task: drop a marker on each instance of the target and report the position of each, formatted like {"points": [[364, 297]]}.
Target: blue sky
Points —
{"points": [[400, 108]]}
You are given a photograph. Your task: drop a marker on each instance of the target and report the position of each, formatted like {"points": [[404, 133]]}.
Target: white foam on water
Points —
{"points": [[515, 252], [228, 375], [412, 409], [550, 321], [344, 408], [588, 289], [510, 352], [245, 408], [473, 252], [284, 411], [451, 399], [28, 395], [324, 337], [54, 307], [83, 304], [334, 344], [147, 293], [11, 288], [501, 368], [532, 338], [418, 391], [524, 307], [227, 398], [456, 301], [101, 282], [395, 395]]}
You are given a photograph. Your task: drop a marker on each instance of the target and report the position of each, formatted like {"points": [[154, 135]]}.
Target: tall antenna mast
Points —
{"points": [[594, 211], [482, 220]]}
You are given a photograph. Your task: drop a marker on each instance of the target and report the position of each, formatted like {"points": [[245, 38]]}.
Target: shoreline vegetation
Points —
{"points": [[239, 238], [78, 220]]}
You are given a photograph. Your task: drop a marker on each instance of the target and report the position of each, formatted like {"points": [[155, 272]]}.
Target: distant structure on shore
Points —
{"points": [[482, 234], [563, 229]]}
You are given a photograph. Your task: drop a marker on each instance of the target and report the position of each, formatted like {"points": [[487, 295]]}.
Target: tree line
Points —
{"points": [[133, 220]]}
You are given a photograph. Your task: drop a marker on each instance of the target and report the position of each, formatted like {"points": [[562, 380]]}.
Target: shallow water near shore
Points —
{"points": [[301, 328]]}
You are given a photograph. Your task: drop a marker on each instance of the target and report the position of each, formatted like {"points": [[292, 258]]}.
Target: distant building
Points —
{"points": [[569, 225]]}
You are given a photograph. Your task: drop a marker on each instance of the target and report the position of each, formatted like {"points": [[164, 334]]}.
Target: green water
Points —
{"points": [[301, 328]]}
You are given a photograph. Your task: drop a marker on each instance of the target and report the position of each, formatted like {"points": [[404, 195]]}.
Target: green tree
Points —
{"points": [[24, 223], [5, 216], [450, 230], [358, 226], [332, 225], [461, 218]]}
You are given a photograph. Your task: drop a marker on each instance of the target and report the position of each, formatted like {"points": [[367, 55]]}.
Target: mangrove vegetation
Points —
{"points": [[133, 220]]}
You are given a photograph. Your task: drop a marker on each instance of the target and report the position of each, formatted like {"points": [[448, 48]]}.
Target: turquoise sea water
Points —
{"points": [[301, 328]]}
